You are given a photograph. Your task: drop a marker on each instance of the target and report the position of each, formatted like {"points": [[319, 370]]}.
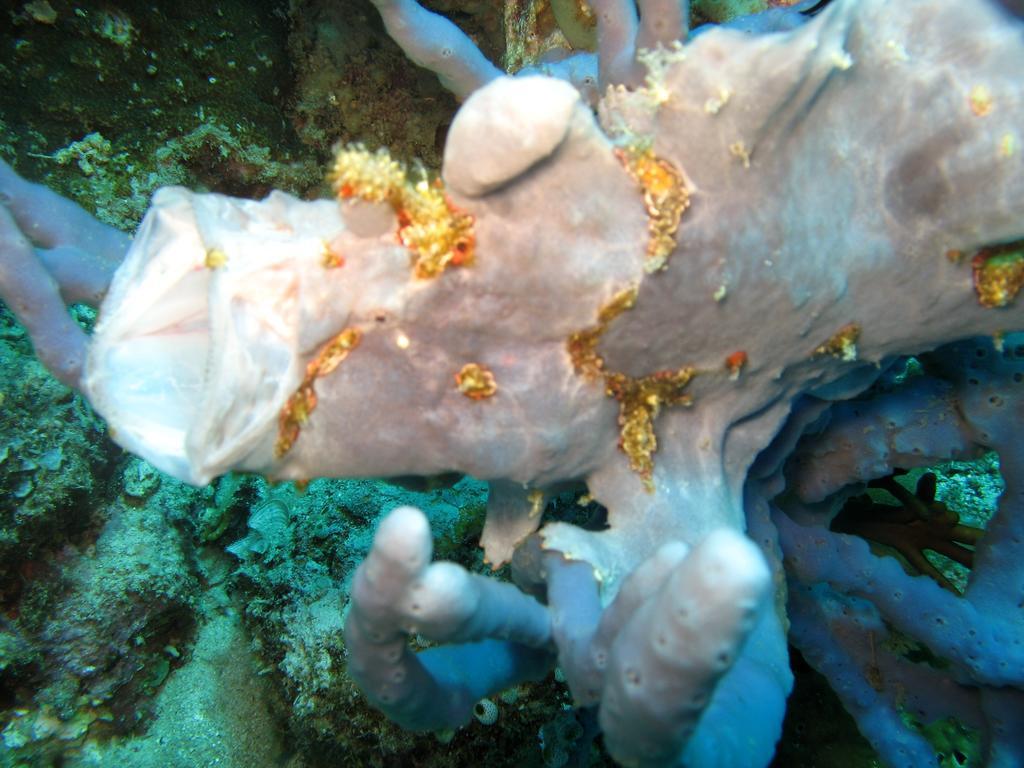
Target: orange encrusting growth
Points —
{"points": [[301, 404], [665, 199], [735, 362], [640, 401], [582, 345], [437, 233]]}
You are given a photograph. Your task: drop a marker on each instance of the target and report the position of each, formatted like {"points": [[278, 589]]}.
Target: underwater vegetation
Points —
{"points": [[685, 376]]}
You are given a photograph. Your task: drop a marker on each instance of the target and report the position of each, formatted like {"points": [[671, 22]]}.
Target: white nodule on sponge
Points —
{"points": [[403, 540], [504, 129]]}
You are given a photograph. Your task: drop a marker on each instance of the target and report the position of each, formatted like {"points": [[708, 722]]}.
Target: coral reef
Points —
{"points": [[107, 103], [98, 626]]}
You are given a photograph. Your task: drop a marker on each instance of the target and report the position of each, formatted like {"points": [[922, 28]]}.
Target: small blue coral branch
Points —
{"points": [[504, 636], [54, 254], [651, 661], [433, 42], [845, 600]]}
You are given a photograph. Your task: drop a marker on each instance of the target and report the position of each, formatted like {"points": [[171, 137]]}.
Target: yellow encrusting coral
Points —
{"points": [[582, 345], [300, 405], [1008, 145], [437, 233], [741, 152], [375, 177], [536, 499], [665, 199], [330, 257], [215, 258], [980, 101], [475, 381], [998, 274], [842, 344], [640, 401]]}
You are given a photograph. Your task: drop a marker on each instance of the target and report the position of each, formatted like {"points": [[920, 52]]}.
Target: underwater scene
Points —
{"points": [[512, 382]]}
